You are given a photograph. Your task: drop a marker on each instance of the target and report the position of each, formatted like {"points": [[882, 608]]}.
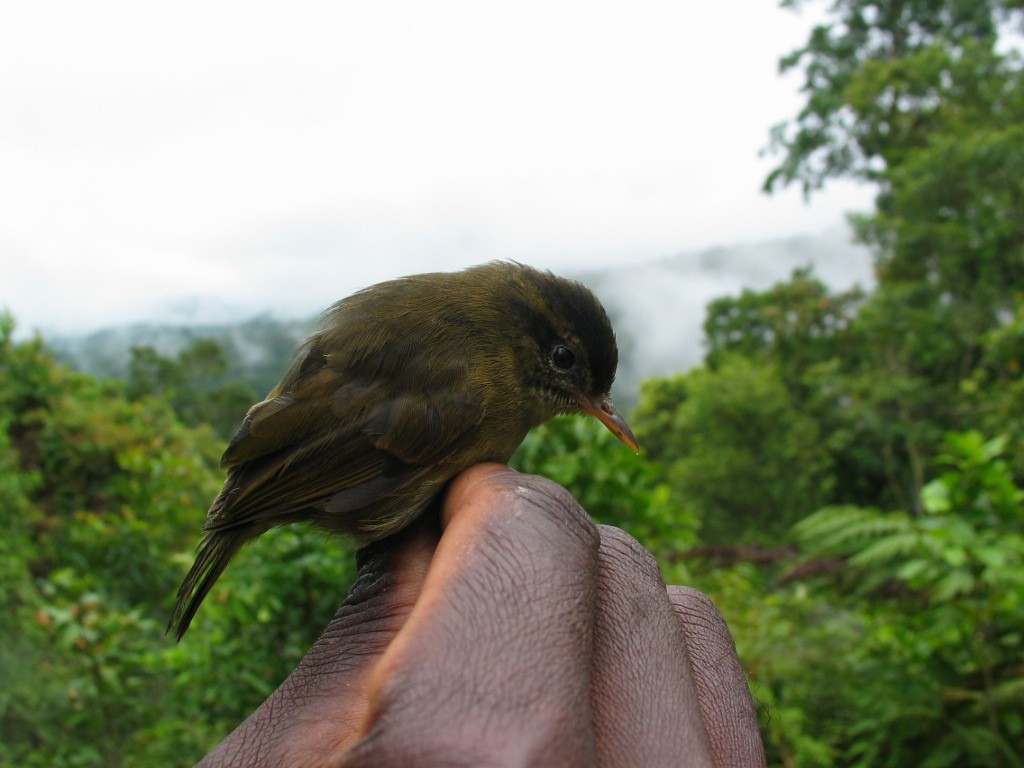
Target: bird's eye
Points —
{"points": [[562, 357]]}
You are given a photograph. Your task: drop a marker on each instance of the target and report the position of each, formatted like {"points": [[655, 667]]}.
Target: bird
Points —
{"points": [[401, 386]]}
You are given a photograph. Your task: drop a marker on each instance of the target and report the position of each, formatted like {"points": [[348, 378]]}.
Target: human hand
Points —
{"points": [[524, 635]]}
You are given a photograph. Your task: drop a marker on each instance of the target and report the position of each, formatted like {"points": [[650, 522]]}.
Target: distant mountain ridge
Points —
{"points": [[259, 347], [657, 308]]}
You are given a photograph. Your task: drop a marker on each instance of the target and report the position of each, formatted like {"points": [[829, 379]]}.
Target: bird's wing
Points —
{"points": [[318, 402], [332, 443]]}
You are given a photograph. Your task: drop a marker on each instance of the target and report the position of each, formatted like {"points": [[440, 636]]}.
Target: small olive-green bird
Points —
{"points": [[402, 386]]}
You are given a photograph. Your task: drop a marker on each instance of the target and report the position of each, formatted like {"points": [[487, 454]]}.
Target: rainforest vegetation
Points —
{"points": [[843, 475]]}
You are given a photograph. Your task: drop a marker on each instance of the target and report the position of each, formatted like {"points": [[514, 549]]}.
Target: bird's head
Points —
{"points": [[567, 355]]}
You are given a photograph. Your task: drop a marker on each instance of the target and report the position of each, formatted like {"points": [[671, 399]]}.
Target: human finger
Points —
{"points": [[646, 709], [318, 710], [725, 699], [492, 665]]}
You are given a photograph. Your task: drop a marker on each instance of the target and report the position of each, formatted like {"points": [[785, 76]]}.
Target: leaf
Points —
{"points": [[935, 497]]}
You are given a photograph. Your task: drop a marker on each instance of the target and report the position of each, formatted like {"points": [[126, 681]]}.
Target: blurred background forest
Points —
{"points": [[843, 474]]}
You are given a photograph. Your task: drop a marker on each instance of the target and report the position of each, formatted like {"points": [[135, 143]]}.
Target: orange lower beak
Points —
{"points": [[605, 412]]}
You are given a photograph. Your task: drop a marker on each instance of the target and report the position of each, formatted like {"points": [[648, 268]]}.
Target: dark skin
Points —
{"points": [[525, 635]]}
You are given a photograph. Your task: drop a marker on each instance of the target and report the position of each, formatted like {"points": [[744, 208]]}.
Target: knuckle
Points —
{"points": [[624, 551]]}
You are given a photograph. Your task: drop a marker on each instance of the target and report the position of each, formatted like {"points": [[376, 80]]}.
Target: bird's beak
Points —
{"points": [[605, 412]]}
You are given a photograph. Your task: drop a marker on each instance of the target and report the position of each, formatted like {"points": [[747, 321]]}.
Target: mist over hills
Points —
{"points": [[260, 347], [657, 307]]}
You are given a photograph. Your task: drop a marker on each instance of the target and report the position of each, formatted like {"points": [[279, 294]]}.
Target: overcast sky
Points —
{"points": [[258, 156]]}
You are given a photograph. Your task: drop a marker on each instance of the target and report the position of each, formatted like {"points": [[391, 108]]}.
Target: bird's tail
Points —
{"points": [[215, 553]]}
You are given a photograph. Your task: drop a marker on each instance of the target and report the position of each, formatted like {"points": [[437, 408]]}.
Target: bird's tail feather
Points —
{"points": [[215, 553]]}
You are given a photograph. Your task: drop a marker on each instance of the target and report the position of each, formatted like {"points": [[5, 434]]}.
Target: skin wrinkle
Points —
{"points": [[530, 568], [707, 632], [636, 621], [511, 564], [502, 556], [520, 566], [732, 722], [355, 627], [508, 565], [512, 490]]}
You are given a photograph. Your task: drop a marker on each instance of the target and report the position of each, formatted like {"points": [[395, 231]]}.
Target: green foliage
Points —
{"points": [[865, 107], [895, 638], [920, 98], [886, 403], [967, 541], [737, 449], [797, 323], [951, 214], [926, 100], [615, 486], [949, 586], [195, 383], [101, 498], [994, 394], [907, 650], [95, 494]]}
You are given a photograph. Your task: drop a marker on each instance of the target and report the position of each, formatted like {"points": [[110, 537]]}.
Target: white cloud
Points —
{"points": [[279, 157]]}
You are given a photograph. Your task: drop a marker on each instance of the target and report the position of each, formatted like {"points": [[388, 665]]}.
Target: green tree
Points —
{"points": [[196, 383], [737, 449], [101, 500], [951, 212], [98, 491], [995, 392], [867, 106], [885, 404], [925, 100], [795, 324], [961, 562], [920, 98]]}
